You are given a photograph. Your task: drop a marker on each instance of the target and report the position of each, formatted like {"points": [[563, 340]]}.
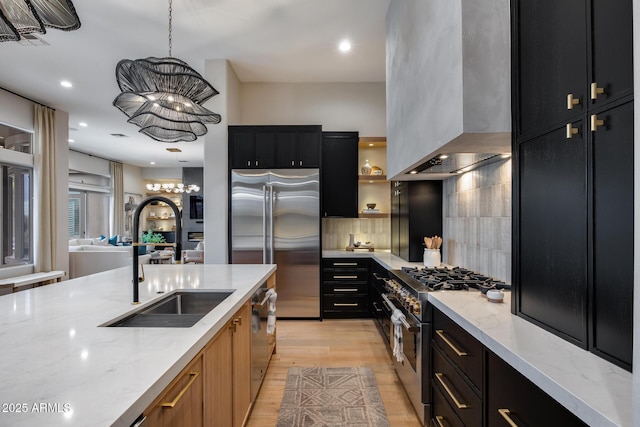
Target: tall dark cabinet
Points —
{"points": [[416, 212], [573, 171], [339, 174]]}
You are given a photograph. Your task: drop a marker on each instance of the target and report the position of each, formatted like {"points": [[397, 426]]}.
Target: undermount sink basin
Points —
{"points": [[180, 309]]}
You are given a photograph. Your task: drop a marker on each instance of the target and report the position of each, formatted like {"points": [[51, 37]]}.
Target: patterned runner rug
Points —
{"points": [[335, 397]]}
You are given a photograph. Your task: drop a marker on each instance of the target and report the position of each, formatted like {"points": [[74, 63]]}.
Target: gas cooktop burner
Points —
{"points": [[456, 278]]}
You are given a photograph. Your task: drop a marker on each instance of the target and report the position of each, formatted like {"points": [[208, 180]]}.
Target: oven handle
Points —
{"points": [[379, 277], [408, 326]]}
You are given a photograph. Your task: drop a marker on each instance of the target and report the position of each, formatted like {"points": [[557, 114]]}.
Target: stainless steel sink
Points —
{"points": [[180, 309]]}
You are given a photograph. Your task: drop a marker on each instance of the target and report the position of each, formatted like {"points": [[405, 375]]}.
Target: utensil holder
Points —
{"points": [[432, 257]]}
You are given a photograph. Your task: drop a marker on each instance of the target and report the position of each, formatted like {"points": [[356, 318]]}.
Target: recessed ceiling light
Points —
{"points": [[72, 140], [345, 46], [152, 163], [66, 83], [413, 172], [371, 145], [444, 156], [83, 124], [506, 156]]}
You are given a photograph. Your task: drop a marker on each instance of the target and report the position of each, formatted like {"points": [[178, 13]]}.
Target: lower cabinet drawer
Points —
{"points": [[345, 288], [458, 393], [340, 306], [443, 413], [459, 346], [336, 276]]}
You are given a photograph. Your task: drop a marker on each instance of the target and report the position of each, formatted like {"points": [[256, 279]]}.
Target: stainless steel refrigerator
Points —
{"points": [[275, 219]]}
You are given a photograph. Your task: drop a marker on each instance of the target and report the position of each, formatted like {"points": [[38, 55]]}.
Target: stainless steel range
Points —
{"points": [[406, 290]]}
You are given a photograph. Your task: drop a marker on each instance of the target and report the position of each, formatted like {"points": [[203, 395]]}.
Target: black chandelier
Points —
{"points": [[20, 17], [164, 97]]}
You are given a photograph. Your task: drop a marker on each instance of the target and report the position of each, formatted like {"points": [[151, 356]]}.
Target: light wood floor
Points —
{"points": [[331, 343]]}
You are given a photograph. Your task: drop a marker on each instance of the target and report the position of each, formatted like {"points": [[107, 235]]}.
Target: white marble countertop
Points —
{"points": [[63, 369], [597, 391]]}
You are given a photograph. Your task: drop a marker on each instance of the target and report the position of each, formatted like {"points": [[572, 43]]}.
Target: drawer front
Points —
{"points": [[345, 303], [345, 288], [336, 276], [345, 263], [443, 413], [458, 393], [511, 396], [459, 346]]}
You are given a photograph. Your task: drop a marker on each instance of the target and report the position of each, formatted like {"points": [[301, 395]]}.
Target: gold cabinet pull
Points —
{"points": [[439, 377], [194, 376], [238, 321], [595, 90], [344, 304], [440, 333], [345, 277], [345, 289], [571, 131], [571, 101], [345, 264], [439, 419], [505, 414], [595, 123]]}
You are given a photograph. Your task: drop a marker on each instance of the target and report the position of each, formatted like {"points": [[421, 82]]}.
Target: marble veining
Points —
{"points": [[64, 369]]}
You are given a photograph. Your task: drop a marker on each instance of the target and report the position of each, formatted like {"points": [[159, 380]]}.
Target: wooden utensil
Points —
{"points": [[428, 242]]}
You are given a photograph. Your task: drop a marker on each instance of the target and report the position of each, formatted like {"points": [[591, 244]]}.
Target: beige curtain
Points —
{"points": [[45, 195], [117, 201]]}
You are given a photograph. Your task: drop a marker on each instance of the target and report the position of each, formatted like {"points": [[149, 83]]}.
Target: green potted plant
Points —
{"points": [[150, 237]]}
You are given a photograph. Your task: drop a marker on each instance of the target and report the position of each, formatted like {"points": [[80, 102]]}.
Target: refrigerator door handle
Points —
{"points": [[264, 224], [271, 215]]}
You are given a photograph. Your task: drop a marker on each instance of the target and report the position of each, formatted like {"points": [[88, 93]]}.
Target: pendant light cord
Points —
{"points": [[170, 40]]}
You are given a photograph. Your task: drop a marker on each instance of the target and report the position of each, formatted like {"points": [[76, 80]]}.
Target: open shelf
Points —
{"points": [[375, 178], [373, 215]]}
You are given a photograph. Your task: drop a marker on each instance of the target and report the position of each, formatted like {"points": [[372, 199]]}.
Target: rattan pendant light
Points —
{"points": [[164, 96]]}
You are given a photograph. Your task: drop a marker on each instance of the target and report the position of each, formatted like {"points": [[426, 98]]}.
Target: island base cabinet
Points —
{"points": [[181, 402], [514, 400], [227, 363]]}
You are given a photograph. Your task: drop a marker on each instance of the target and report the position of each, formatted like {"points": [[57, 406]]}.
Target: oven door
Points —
{"points": [[410, 370]]}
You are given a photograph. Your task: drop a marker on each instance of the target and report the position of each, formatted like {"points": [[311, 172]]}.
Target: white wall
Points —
{"points": [[220, 74], [336, 106]]}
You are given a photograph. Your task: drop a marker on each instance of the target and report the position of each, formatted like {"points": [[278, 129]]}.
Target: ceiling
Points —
{"points": [[264, 41]]}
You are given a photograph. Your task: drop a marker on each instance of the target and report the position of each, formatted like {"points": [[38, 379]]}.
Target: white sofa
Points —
{"points": [[86, 257]]}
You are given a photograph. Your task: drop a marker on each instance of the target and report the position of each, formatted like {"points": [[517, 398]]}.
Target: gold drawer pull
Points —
{"points": [[344, 304], [505, 414], [345, 277], [439, 420], [174, 402], [345, 290], [571, 101], [595, 90], [345, 263], [596, 123], [440, 333], [439, 377], [571, 131]]}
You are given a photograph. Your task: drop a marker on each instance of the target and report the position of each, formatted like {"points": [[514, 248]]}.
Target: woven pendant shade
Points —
{"points": [[162, 96], [19, 17]]}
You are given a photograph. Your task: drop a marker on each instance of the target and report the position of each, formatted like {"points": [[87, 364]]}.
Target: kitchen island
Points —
{"points": [[62, 368], [597, 391]]}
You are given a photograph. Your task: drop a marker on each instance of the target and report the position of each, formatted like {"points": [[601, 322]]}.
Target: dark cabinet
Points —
{"points": [[552, 239], [269, 147], [573, 171], [514, 400], [345, 287], [339, 174], [416, 212], [612, 302]]}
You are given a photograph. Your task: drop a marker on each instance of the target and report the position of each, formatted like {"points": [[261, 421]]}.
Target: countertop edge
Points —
{"points": [[143, 402]]}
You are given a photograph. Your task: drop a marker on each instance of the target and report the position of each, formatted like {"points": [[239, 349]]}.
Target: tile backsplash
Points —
{"points": [[335, 232], [477, 220]]}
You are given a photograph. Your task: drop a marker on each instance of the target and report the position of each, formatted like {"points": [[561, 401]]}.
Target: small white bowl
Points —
{"points": [[494, 295]]}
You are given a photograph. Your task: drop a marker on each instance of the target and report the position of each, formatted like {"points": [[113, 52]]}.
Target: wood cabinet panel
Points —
{"points": [[612, 302], [181, 404], [339, 174], [242, 365], [552, 239], [510, 395], [218, 365]]}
